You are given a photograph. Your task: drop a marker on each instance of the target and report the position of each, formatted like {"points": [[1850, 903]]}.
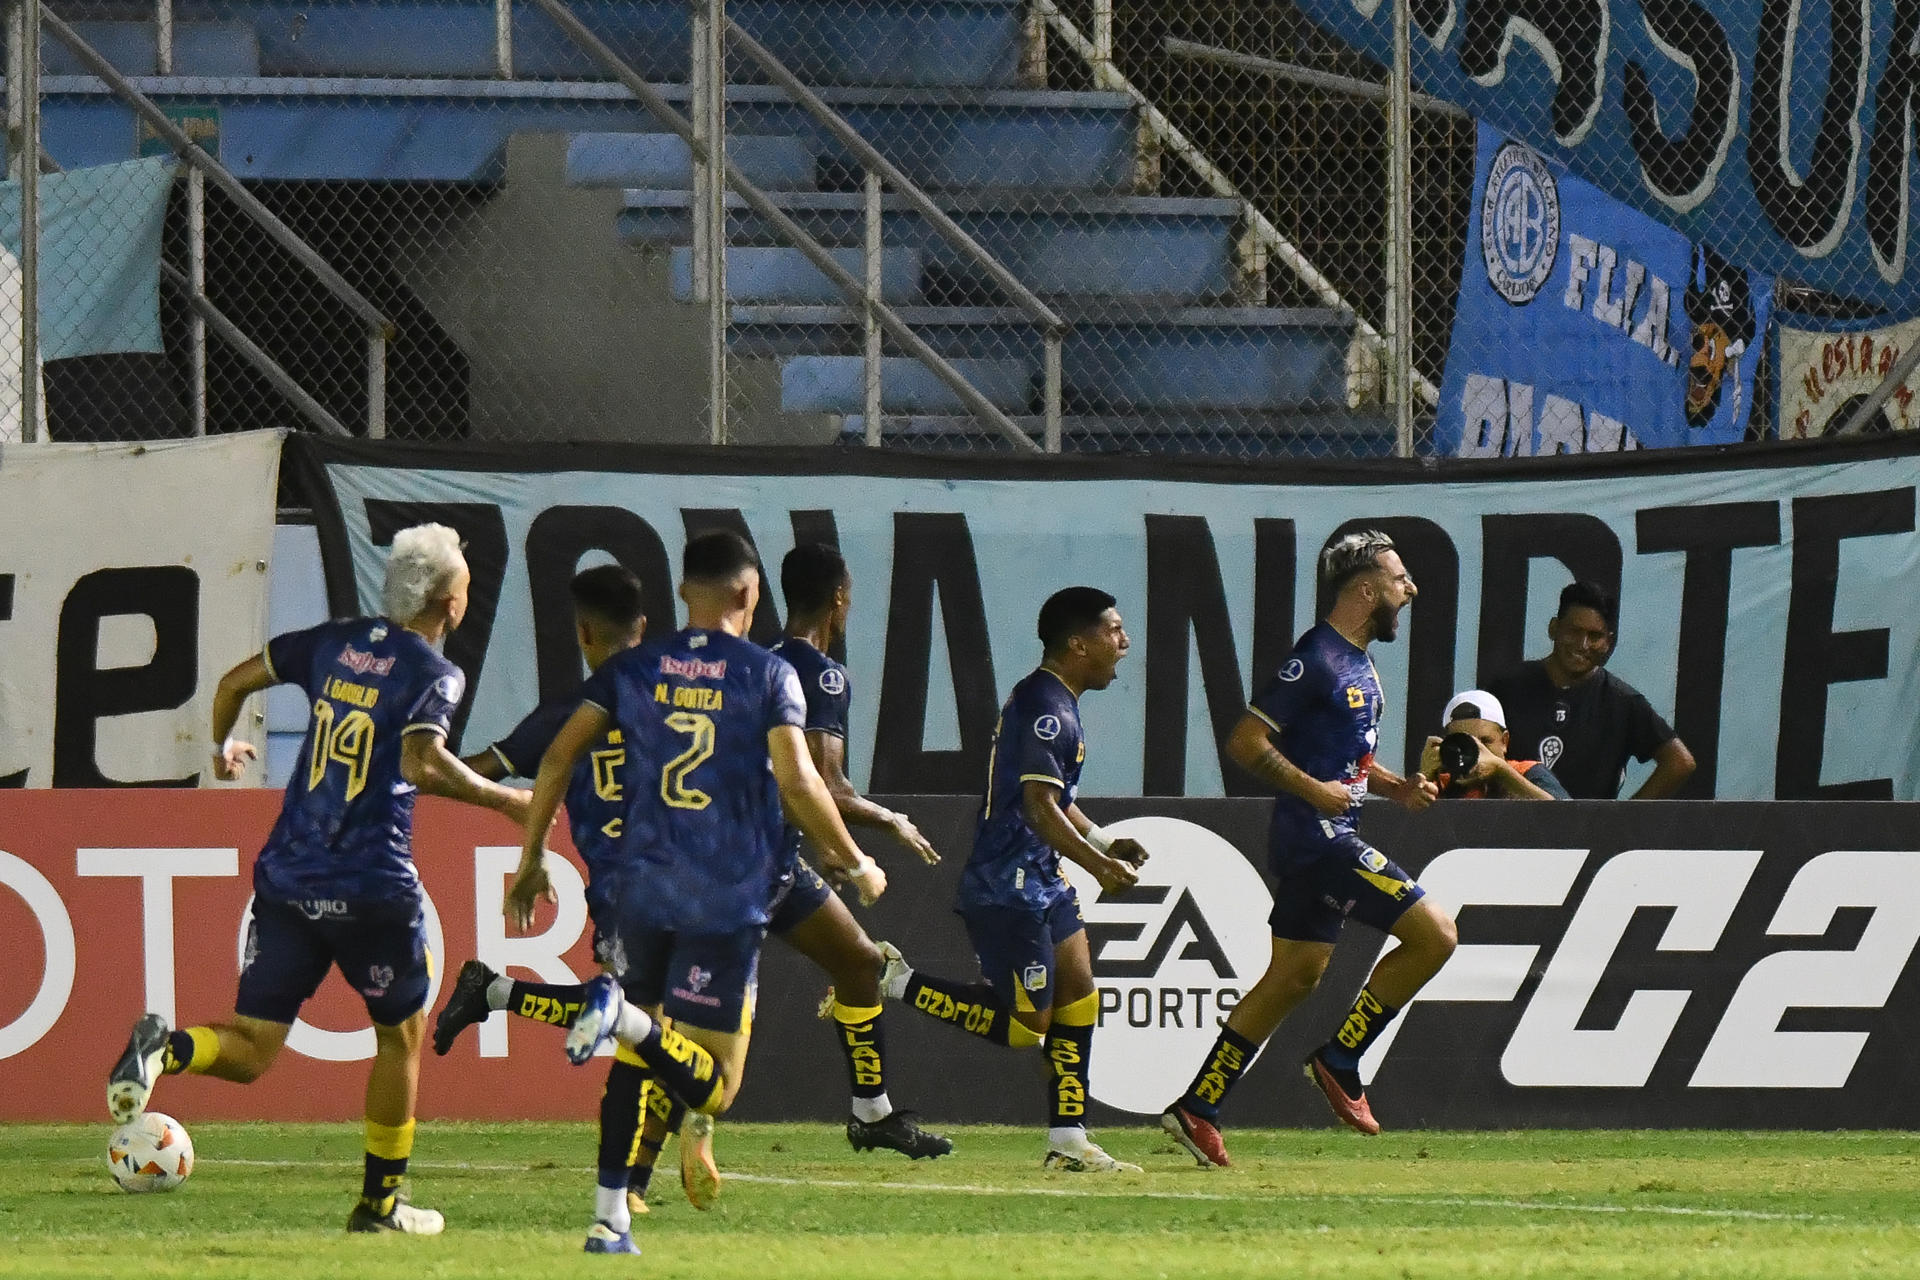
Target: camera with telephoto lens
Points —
{"points": [[1459, 754]]}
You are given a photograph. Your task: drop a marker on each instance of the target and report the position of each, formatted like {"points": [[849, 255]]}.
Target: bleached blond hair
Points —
{"points": [[1351, 556], [425, 561]]}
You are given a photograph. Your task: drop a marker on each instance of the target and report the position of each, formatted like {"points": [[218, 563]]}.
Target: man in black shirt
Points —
{"points": [[1568, 711]]}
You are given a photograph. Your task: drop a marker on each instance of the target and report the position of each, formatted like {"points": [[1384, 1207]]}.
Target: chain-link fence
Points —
{"points": [[938, 224]]}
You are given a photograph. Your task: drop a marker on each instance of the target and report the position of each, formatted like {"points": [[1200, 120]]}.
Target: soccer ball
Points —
{"points": [[152, 1153]]}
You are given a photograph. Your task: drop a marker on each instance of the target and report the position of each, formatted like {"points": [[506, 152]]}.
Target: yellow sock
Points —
{"points": [[850, 1013], [203, 1051], [1083, 1012]]}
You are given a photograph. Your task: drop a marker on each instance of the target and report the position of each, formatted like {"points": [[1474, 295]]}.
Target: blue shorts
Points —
{"points": [[703, 980], [1015, 947], [380, 947], [1348, 877], [797, 899]]}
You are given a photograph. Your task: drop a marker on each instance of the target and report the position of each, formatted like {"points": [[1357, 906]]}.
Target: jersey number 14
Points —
{"points": [[345, 740]]}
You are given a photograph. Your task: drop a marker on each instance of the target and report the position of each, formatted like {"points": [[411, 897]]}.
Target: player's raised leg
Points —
{"points": [[479, 992], [1427, 939]]}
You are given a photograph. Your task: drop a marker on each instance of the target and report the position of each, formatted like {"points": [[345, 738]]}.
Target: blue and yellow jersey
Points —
{"points": [[346, 827], [702, 839], [1037, 739], [829, 698], [1325, 703], [596, 800]]}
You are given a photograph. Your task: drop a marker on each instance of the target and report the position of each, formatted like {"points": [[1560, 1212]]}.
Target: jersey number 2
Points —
{"points": [[673, 777], [347, 740]]}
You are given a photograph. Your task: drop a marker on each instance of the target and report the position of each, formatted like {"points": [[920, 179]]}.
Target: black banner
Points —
{"points": [[1621, 965]]}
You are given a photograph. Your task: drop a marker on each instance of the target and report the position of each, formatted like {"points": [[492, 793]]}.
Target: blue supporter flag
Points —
{"points": [[1584, 326], [99, 256]]}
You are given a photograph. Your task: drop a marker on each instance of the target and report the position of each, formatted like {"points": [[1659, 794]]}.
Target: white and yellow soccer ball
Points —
{"points": [[152, 1153]]}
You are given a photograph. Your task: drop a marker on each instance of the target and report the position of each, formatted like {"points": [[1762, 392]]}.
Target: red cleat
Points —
{"points": [[1353, 1111], [1201, 1138]]}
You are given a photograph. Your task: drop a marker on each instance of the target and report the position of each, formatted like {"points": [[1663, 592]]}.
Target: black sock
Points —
{"points": [[179, 1053], [863, 1040], [971, 1006], [1068, 1048], [1225, 1062], [555, 1002], [680, 1067], [620, 1121], [1365, 1021], [640, 1175]]}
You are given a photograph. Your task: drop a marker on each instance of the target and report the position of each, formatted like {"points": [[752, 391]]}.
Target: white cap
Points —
{"points": [[1475, 704]]}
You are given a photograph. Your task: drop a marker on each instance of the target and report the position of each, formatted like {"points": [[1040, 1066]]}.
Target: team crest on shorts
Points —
{"points": [[379, 978], [698, 978], [1034, 978]]}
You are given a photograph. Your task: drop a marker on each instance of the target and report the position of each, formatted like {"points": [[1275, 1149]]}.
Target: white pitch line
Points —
{"points": [[1123, 1193]]}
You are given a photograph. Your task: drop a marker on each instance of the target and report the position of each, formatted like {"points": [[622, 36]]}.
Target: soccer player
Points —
{"points": [[805, 914], [1021, 915], [609, 618], [335, 884], [1324, 705], [714, 732]]}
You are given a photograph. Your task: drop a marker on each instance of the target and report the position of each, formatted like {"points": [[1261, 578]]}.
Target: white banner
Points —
{"points": [[1768, 611], [131, 577], [1825, 368]]}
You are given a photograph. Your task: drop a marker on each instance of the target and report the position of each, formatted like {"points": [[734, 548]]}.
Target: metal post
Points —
{"points": [[1052, 391], [163, 37], [715, 199], [28, 149], [1400, 230], [697, 82], [376, 383], [197, 284], [503, 39], [1102, 39], [869, 318]]}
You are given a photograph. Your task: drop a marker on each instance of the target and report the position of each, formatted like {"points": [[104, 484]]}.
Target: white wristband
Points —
{"points": [[221, 748], [1099, 839], [863, 868]]}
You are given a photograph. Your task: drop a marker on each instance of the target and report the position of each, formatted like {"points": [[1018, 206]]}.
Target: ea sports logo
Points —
{"points": [[1171, 957], [1519, 223]]}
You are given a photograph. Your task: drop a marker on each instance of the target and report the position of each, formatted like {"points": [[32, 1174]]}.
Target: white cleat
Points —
{"points": [[131, 1082], [1087, 1158], [402, 1219], [895, 974]]}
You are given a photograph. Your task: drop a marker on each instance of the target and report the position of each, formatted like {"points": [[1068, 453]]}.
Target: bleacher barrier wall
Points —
{"points": [[1091, 225], [1621, 965]]}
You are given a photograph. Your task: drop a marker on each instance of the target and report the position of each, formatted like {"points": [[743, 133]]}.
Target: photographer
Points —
{"points": [[1471, 763]]}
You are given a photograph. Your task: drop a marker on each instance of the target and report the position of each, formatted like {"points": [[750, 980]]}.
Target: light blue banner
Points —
{"points": [[99, 256], [1775, 131], [1585, 326]]}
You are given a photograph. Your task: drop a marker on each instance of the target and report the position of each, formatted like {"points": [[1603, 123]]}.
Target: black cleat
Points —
{"points": [[897, 1133], [466, 1006], [131, 1081]]}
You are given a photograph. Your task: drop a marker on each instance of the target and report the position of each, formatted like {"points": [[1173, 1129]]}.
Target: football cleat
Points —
{"points": [[466, 1006], [1351, 1108], [637, 1204], [593, 1026], [602, 1238], [895, 973], [1086, 1158], [897, 1133], [130, 1083], [402, 1218], [1200, 1137], [699, 1176]]}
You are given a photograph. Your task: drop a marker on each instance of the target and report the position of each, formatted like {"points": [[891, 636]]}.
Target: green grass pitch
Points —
{"points": [[271, 1200]]}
